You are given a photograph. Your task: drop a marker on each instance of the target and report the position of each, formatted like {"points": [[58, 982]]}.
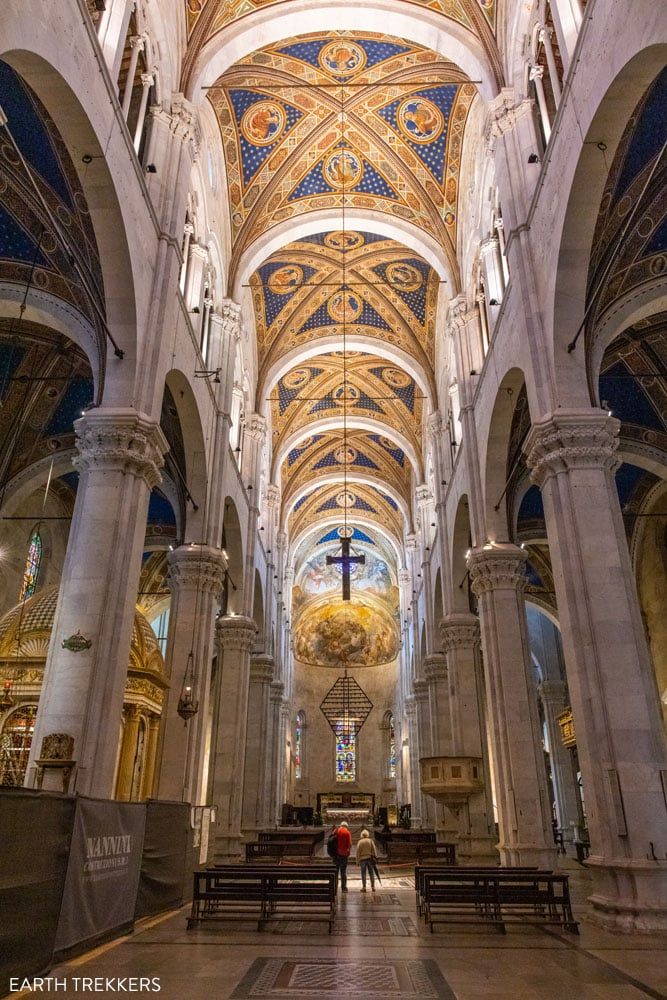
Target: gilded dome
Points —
{"points": [[33, 619]]}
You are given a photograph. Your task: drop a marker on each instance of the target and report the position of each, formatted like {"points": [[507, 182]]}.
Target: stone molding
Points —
{"points": [[272, 497], [457, 313], [434, 423], [255, 427], [435, 667], [196, 567], [499, 567], [553, 693], [277, 691], [459, 631], [423, 495], [261, 668], [236, 632], [420, 689], [120, 441], [182, 120], [491, 244], [404, 577], [572, 439]]}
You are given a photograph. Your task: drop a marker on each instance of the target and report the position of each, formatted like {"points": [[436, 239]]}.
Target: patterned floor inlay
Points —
{"points": [[355, 926], [291, 979]]}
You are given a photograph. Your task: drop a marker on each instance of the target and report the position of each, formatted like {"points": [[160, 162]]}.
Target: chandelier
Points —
{"points": [[346, 707]]}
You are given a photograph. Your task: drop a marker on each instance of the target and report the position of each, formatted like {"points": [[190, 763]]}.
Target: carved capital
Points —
{"points": [[497, 567], [273, 496], [236, 632], [185, 120], [459, 631], [504, 113], [536, 72], [147, 80], [411, 541], [423, 495], [231, 317], [261, 668], [196, 567], [457, 313], [489, 246], [138, 42], [255, 427], [420, 689], [434, 424], [569, 440], [277, 692], [435, 667], [404, 577], [553, 694], [120, 441]]}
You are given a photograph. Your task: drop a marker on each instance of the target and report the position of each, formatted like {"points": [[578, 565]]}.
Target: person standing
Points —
{"points": [[366, 853], [343, 850]]}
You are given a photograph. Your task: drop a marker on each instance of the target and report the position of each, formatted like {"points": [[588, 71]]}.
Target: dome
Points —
{"points": [[34, 620]]}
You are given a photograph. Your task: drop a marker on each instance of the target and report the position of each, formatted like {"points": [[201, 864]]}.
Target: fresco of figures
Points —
{"points": [[317, 579], [335, 633]]}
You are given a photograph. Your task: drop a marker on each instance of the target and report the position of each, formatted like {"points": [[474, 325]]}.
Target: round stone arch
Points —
{"points": [[324, 345], [273, 23], [232, 546], [494, 454], [460, 544], [625, 86], [301, 537], [196, 458], [43, 60], [350, 477], [352, 423]]}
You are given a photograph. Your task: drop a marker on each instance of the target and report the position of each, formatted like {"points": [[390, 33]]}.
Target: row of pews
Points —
{"points": [[493, 896], [278, 844]]}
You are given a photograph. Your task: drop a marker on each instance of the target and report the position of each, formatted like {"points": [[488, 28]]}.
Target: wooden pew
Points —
{"points": [[435, 869], [265, 892], [466, 896]]}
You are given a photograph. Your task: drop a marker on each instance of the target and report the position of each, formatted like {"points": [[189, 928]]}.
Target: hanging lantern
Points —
{"points": [[346, 707], [187, 706]]}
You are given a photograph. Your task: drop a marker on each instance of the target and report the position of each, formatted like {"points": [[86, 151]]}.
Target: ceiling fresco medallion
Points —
{"points": [[296, 379], [420, 120], [342, 241], [342, 58], [344, 307], [346, 499], [396, 378], [359, 635], [346, 394], [342, 169], [404, 277], [345, 455], [286, 279], [263, 123]]}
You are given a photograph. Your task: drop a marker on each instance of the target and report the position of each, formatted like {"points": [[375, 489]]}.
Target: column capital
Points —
{"points": [[420, 689], [572, 439], [489, 245], [138, 42], [404, 577], [411, 540], [147, 79], [273, 496], [277, 691], [435, 667], [499, 566], [504, 112], [434, 423], [261, 668], [196, 567], [255, 427], [185, 120], [236, 632], [553, 693], [230, 312], [423, 495], [120, 441], [457, 313], [459, 631]]}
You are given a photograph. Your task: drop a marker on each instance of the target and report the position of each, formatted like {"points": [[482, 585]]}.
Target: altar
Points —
{"points": [[356, 808]]}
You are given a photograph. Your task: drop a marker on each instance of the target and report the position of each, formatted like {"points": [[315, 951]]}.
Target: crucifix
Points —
{"points": [[345, 560]]}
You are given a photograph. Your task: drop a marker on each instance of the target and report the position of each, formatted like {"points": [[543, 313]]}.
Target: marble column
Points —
{"points": [[120, 453], [148, 780], [615, 705], [258, 777], [435, 674], [426, 810], [277, 748], [460, 636], [553, 695], [236, 637], [195, 579], [128, 752], [137, 45], [147, 81], [497, 573], [410, 707]]}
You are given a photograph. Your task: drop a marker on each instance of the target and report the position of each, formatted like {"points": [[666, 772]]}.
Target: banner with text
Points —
{"points": [[103, 871]]}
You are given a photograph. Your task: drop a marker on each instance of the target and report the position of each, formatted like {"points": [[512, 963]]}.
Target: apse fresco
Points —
{"points": [[338, 632], [318, 579]]}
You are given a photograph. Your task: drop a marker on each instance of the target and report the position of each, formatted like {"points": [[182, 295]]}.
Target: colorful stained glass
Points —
{"points": [[298, 746], [392, 748], [32, 564], [346, 754]]}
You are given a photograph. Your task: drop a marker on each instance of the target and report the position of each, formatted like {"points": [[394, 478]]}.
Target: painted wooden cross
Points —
{"points": [[345, 560]]}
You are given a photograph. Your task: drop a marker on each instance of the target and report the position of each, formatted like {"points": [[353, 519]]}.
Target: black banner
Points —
{"points": [[35, 833], [103, 872], [167, 863]]}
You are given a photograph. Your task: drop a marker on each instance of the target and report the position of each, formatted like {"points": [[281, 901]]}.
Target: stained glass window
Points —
{"points": [[31, 571], [298, 746], [392, 748], [346, 754]]}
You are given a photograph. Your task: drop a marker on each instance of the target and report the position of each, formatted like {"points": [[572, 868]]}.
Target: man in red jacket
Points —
{"points": [[343, 850]]}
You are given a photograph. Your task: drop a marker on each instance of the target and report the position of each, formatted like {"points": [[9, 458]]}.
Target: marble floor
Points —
{"points": [[381, 949]]}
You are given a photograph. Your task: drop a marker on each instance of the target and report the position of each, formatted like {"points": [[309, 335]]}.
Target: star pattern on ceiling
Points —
{"points": [[220, 13], [333, 121], [372, 287]]}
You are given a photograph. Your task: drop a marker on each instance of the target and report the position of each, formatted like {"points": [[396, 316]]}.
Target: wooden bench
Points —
{"points": [[406, 851], [264, 892], [496, 897], [431, 868]]}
